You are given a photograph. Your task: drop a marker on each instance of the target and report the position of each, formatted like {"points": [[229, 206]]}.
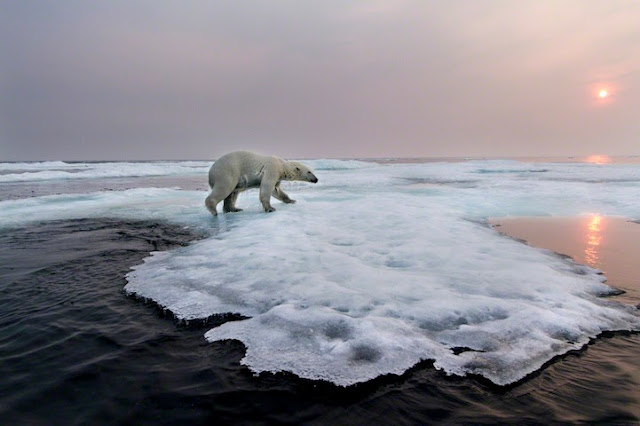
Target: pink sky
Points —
{"points": [[196, 79]]}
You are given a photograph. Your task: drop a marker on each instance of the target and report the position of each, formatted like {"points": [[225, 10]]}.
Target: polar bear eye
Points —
{"points": [[298, 168]]}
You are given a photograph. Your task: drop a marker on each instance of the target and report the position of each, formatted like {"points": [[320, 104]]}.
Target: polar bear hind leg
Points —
{"points": [[230, 203], [218, 193]]}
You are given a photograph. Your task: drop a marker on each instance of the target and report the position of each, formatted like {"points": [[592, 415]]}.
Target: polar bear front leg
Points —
{"points": [[266, 189], [279, 194]]}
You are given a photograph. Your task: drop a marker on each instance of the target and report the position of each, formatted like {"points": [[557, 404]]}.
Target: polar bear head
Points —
{"points": [[301, 172]]}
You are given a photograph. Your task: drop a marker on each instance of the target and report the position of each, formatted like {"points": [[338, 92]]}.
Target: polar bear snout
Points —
{"points": [[312, 178]]}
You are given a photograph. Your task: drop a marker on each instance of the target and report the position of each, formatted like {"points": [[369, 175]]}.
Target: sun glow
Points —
{"points": [[602, 93], [598, 159]]}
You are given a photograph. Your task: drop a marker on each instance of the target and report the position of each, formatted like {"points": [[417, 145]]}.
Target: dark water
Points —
{"points": [[74, 349]]}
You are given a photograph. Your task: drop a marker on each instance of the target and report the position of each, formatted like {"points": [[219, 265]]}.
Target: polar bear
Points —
{"points": [[241, 170]]}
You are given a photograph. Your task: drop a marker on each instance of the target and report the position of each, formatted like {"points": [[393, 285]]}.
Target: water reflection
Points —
{"points": [[594, 239]]}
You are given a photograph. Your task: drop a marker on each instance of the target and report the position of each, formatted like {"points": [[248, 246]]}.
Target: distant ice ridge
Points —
{"points": [[377, 268], [333, 164], [50, 170], [35, 165]]}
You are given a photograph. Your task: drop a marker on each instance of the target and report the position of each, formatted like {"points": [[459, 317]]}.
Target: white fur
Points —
{"points": [[241, 170]]}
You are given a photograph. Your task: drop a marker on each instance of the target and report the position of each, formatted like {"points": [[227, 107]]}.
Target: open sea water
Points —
{"points": [[380, 297]]}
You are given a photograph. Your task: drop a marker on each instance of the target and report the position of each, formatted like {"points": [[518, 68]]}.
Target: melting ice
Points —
{"points": [[380, 266]]}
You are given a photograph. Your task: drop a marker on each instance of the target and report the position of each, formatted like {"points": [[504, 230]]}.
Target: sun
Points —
{"points": [[603, 94]]}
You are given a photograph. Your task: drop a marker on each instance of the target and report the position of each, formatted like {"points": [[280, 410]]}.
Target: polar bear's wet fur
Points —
{"points": [[241, 170]]}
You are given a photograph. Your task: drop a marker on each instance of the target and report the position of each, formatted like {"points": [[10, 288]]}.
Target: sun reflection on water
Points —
{"points": [[594, 239]]}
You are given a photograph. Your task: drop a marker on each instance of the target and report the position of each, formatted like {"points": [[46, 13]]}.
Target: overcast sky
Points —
{"points": [[156, 79]]}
